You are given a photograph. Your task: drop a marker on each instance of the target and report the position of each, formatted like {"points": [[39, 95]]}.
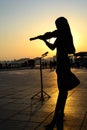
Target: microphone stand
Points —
{"points": [[41, 92]]}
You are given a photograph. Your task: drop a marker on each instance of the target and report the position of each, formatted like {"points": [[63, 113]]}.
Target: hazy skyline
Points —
{"points": [[22, 19]]}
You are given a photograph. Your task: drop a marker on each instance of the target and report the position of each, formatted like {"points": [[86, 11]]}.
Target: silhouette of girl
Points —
{"points": [[64, 46]]}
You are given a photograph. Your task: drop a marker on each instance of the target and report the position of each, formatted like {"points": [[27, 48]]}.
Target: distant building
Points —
{"points": [[81, 59], [21, 63]]}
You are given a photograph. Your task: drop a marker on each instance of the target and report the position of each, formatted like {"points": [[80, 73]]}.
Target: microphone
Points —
{"points": [[45, 54]]}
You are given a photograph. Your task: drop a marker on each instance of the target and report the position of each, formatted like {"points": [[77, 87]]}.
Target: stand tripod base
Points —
{"points": [[41, 95]]}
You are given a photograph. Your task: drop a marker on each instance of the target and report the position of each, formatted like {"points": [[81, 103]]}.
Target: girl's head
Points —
{"points": [[62, 23], [64, 29]]}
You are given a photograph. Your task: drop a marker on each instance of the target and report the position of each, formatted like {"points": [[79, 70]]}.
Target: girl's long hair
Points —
{"points": [[64, 28]]}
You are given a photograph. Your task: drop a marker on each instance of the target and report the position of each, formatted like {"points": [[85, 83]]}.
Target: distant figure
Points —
{"points": [[65, 78]]}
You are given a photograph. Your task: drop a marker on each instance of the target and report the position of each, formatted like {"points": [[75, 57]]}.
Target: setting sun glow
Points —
{"points": [[21, 20]]}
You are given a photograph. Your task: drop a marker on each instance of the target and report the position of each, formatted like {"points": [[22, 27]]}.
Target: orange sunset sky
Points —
{"points": [[22, 19]]}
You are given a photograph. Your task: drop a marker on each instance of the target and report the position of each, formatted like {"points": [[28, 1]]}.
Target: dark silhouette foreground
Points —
{"points": [[65, 78]]}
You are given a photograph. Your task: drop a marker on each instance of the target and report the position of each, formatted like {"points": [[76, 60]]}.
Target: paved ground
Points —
{"points": [[19, 112]]}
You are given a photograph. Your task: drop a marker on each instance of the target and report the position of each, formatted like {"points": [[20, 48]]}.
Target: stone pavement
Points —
{"points": [[19, 112]]}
